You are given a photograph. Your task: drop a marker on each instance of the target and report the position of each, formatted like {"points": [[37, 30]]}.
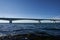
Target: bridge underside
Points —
{"points": [[12, 19]]}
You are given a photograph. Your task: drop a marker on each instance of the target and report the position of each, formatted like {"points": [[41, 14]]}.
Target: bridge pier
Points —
{"points": [[54, 21], [39, 21], [10, 21]]}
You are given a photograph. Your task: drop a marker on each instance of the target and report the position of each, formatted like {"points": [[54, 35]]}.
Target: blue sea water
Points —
{"points": [[25, 28]]}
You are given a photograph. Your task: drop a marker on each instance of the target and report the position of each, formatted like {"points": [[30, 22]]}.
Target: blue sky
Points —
{"points": [[30, 8]]}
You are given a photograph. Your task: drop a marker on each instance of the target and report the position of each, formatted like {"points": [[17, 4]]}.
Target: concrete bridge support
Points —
{"points": [[39, 21], [54, 21], [10, 21]]}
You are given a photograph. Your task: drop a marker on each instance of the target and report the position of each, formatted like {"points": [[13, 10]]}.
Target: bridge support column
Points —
{"points": [[39, 21], [54, 21], [10, 21]]}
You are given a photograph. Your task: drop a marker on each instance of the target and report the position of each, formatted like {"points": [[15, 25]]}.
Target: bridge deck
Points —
{"points": [[12, 19]]}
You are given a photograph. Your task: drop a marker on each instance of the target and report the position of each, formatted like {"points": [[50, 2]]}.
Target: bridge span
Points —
{"points": [[12, 19]]}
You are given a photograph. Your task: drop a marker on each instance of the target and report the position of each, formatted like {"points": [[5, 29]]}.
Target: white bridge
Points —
{"points": [[12, 19]]}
